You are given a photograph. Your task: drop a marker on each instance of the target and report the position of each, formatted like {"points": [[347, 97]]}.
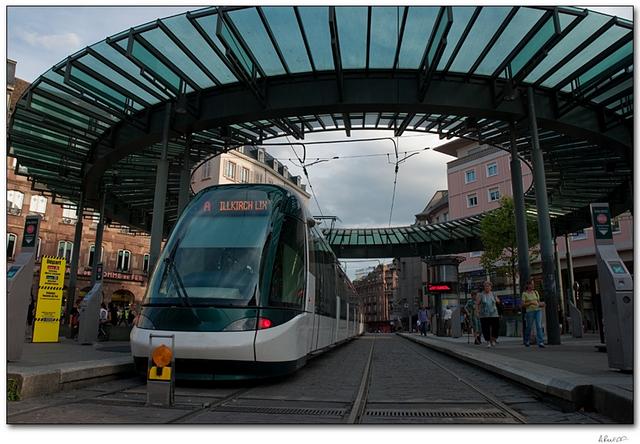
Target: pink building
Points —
{"points": [[477, 179]]}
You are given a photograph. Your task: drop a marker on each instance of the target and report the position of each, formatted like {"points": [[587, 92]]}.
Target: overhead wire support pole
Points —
{"points": [[73, 268], [522, 237], [544, 227], [97, 248], [159, 200]]}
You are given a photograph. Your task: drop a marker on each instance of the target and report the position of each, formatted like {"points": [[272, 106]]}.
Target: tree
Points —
{"points": [[498, 235]]}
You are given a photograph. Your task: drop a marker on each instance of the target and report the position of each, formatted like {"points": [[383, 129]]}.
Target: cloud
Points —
{"points": [[69, 40]]}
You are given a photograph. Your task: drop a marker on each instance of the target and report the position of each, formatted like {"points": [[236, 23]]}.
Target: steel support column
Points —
{"points": [[97, 248], [185, 177], [160, 196], [544, 228], [571, 297], [522, 238], [563, 305], [73, 267]]}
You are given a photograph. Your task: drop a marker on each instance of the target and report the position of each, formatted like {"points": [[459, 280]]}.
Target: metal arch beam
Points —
{"points": [[309, 94]]}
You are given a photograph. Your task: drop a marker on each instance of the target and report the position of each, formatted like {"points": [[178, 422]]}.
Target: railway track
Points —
{"points": [[375, 379]]}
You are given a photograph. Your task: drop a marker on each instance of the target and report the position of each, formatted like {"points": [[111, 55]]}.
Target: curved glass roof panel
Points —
{"points": [[618, 56], [103, 49], [479, 36], [514, 32], [577, 35], [420, 20], [542, 36], [352, 29], [115, 87], [94, 64], [252, 30], [170, 50], [461, 17], [597, 47], [181, 26], [284, 26], [315, 21], [385, 23]]}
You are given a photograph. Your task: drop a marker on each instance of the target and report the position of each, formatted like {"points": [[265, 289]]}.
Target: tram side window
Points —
{"points": [[287, 284]]}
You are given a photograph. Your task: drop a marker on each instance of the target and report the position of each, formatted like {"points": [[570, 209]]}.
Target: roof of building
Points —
{"points": [[439, 200]]}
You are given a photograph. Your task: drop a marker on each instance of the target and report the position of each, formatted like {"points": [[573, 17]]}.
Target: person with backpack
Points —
{"points": [[533, 314]]}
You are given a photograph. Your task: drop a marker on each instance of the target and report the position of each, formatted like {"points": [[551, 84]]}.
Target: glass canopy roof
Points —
{"points": [[94, 116]]}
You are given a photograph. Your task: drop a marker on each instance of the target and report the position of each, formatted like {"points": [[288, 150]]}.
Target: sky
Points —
{"points": [[359, 191]]}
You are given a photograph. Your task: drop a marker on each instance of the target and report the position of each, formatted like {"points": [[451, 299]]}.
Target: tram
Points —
{"points": [[248, 287]]}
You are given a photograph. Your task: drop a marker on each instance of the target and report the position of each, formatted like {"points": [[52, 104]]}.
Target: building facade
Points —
{"points": [[477, 179], [376, 292], [247, 164]]}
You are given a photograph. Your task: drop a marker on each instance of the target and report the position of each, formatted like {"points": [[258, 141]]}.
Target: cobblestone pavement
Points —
{"points": [[405, 385]]}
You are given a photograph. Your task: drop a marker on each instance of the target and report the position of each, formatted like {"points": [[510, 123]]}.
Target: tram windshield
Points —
{"points": [[215, 252]]}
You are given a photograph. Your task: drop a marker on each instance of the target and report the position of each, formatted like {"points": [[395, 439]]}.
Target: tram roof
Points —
{"points": [[241, 75]]}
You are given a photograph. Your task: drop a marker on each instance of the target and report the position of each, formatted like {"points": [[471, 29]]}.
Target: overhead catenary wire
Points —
{"points": [[304, 170]]}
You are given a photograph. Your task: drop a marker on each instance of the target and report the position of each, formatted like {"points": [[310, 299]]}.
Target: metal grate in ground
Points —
{"points": [[438, 413], [283, 411]]}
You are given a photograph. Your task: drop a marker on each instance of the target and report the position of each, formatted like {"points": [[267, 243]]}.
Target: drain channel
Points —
{"points": [[438, 413], [283, 411]]}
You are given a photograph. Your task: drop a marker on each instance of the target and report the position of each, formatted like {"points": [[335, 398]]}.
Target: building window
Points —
{"points": [[257, 177], [12, 240], [492, 169], [145, 262], [124, 260], [14, 202], [92, 251], [69, 216], [260, 155], [65, 249], [38, 204], [445, 217], [230, 169], [244, 175], [206, 170], [578, 235], [472, 200], [494, 194], [470, 176], [615, 225]]}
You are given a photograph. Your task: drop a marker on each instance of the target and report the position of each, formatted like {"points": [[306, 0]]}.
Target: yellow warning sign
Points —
{"points": [[52, 271], [47, 319]]}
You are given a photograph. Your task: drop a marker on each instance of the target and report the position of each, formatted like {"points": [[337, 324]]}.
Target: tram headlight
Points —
{"points": [[244, 324]]}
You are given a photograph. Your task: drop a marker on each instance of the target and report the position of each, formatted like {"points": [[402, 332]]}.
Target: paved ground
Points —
{"points": [[408, 383]]}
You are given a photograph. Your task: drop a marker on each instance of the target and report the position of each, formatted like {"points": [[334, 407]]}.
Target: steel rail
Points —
{"points": [[490, 398], [360, 402]]}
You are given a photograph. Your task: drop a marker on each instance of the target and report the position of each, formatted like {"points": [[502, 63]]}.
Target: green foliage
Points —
{"points": [[498, 234], [12, 390]]}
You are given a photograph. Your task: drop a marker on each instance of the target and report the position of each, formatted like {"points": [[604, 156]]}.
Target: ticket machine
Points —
{"points": [[616, 291], [19, 281]]}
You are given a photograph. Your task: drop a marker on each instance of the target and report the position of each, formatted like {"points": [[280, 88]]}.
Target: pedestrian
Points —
{"points": [[533, 314], [447, 320], [105, 320], [422, 319], [488, 313], [113, 311], [474, 321], [75, 321]]}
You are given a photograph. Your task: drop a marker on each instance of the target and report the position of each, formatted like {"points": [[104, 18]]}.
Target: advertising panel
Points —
{"points": [[47, 319]]}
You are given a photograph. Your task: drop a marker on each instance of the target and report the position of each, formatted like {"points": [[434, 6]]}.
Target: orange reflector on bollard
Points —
{"points": [[161, 356]]}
